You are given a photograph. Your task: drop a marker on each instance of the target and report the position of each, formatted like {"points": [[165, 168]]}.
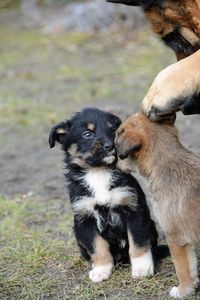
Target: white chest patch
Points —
{"points": [[98, 182]]}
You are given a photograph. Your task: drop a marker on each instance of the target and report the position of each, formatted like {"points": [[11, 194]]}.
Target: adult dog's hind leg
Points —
{"points": [[185, 262]]}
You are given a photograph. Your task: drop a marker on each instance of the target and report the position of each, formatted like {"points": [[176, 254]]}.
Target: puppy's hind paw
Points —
{"points": [[100, 273], [174, 293]]}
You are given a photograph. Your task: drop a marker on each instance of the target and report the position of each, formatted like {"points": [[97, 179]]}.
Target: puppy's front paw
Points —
{"points": [[139, 272], [100, 273], [175, 292], [142, 266]]}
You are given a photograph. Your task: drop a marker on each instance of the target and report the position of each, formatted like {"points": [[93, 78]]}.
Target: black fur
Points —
{"points": [[187, 105], [179, 44], [90, 153], [145, 4], [191, 106]]}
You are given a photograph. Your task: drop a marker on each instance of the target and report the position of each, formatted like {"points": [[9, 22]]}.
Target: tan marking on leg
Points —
{"points": [[135, 251], [183, 269], [141, 259], [102, 261], [102, 255]]}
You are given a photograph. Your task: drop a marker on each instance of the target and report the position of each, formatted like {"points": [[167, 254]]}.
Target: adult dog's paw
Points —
{"points": [[100, 273], [172, 87]]}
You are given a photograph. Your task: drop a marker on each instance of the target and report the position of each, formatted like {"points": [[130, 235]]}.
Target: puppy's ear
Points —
{"points": [[168, 119], [58, 133], [127, 2], [114, 121], [126, 146]]}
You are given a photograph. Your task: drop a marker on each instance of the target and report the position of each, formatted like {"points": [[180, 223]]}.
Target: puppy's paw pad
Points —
{"points": [[174, 293], [98, 274]]}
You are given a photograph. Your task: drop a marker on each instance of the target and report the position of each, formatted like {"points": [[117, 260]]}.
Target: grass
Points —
{"points": [[35, 260], [39, 259], [43, 80], [82, 68]]}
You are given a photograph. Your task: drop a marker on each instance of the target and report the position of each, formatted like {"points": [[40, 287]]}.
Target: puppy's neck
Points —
{"points": [[76, 168], [160, 149]]}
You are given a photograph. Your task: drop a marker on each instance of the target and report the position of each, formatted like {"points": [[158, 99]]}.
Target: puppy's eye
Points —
{"points": [[88, 134]]}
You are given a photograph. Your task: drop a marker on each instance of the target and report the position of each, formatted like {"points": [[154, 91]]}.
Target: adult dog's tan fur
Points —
{"points": [[177, 22], [183, 16], [173, 85], [176, 83], [173, 173]]}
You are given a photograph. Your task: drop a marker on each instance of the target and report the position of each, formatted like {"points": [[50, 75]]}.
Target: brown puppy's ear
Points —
{"points": [[168, 119], [126, 147], [127, 2], [58, 133]]}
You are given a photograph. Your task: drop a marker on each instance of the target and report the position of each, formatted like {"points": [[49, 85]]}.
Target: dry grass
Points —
{"points": [[45, 79]]}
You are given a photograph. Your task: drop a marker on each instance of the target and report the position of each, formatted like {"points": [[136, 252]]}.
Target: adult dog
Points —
{"points": [[177, 87], [173, 174]]}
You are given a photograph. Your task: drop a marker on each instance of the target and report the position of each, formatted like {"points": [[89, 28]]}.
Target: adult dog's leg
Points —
{"points": [[172, 87], [185, 262]]}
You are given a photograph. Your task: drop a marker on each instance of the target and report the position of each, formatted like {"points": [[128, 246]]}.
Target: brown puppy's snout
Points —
{"points": [[126, 144], [119, 142]]}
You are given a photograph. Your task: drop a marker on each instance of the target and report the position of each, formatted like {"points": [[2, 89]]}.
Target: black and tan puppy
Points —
{"points": [[111, 217], [173, 173], [177, 87]]}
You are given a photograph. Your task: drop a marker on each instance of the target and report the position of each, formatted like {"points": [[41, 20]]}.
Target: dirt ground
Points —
{"points": [[44, 79]]}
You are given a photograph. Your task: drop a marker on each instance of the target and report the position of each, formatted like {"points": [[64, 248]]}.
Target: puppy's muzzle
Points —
{"points": [[126, 146], [108, 147]]}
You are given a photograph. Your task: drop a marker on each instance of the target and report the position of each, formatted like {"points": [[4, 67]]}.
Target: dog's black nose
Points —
{"points": [[108, 146]]}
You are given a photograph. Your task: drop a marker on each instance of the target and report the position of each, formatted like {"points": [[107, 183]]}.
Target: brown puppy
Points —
{"points": [[177, 22], [173, 174]]}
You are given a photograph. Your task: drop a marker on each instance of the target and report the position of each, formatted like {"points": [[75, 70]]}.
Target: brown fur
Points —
{"points": [[91, 126], [168, 92], [177, 22], [173, 174], [184, 15], [173, 86], [181, 262], [102, 255], [135, 251]]}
